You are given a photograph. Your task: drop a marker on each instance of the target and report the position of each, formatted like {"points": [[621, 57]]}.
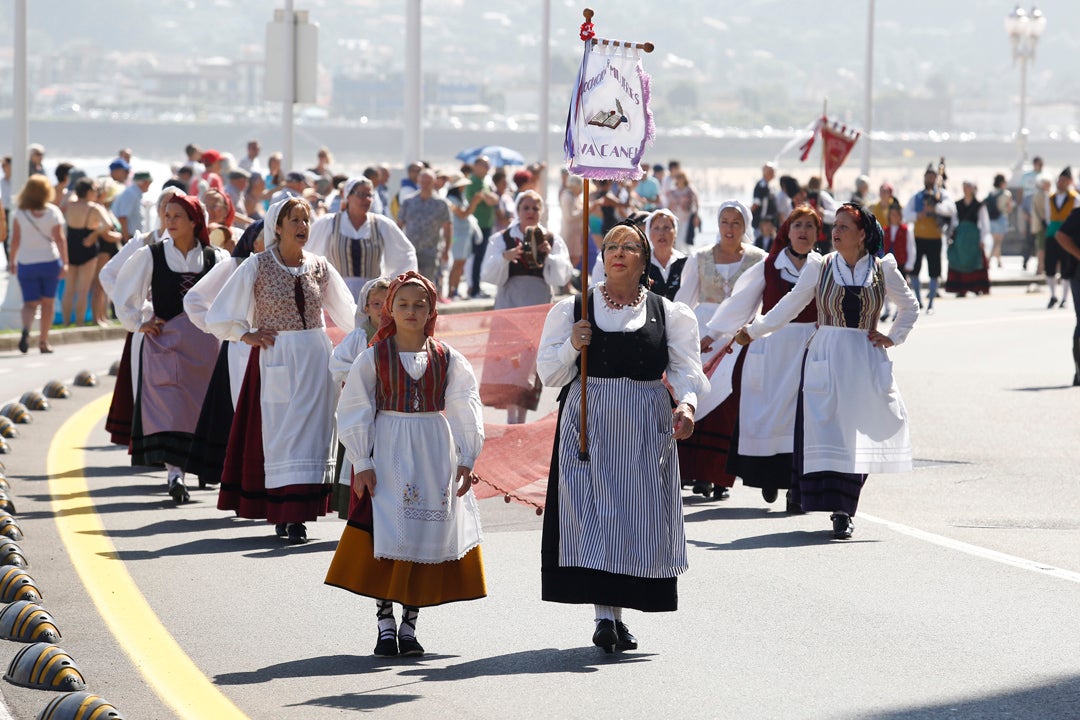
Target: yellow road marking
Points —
{"points": [[163, 664]]}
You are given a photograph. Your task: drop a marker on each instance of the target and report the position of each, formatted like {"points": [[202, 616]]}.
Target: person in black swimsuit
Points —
{"points": [[86, 225]]}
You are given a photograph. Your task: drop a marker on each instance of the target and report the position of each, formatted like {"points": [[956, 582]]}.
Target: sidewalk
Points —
{"points": [[1011, 274]]}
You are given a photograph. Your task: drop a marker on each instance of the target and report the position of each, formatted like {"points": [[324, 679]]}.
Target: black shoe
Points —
{"points": [[281, 529], [297, 533], [387, 645], [24, 342], [885, 315], [409, 647], [770, 494], [793, 507], [178, 492], [1052, 303], [719, 492], [702, 488], [1062, 304], [842, 526], [605, 636], [626, 640]]}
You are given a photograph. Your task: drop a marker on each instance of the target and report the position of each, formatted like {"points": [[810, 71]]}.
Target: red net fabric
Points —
{"points": [[501, 346]]}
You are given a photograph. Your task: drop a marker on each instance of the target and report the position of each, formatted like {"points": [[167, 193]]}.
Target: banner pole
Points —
{"points": [[583, 446], [825, 120]]}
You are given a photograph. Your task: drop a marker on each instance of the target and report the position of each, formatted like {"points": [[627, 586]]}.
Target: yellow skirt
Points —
{"points": [[356, 569]]}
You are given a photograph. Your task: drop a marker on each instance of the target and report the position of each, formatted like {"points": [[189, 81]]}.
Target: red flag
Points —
{"points": [[837, 142]]}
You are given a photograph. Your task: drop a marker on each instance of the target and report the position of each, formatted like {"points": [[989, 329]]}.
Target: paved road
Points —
{"points": [[957, 598]]}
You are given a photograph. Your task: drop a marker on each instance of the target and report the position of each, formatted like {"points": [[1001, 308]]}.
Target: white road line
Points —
{"points": [[985, 553]]}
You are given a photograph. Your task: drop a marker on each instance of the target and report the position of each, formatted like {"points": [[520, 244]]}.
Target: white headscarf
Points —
{"points": [[351, 183], [270, 237], [270, 220], [666, 213], [748, 234], [361, 301]]}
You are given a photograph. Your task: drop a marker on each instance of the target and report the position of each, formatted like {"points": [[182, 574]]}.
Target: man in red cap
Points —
{"points": [[211, 160]]}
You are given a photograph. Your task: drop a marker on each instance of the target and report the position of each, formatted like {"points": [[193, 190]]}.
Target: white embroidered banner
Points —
{"points": [[609, 122]]}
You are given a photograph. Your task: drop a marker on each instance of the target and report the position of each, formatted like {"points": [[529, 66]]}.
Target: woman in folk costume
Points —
{"points": [[360, 244], [279, 461], [118, 421], [613, 532], [769, 376], [850, 420], [524, 261], [207, 456], [761, 453], [666, 264], [967, 260], [411, 422], [707, 282], [368, 318], [177, 358]]}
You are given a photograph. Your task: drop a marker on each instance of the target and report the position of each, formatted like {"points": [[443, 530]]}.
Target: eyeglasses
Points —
{"points": [[632, 248]]}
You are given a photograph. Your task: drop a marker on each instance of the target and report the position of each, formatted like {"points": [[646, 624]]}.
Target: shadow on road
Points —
{"points": [[415, 670], [1053, 699], [731, 513], [173, 527], [253, 547], [794, 538], [1040, 389]]}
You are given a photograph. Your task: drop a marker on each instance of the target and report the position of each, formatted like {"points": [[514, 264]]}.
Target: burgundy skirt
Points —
{"points": [[243, 480], [122, 408], [704, 455]]}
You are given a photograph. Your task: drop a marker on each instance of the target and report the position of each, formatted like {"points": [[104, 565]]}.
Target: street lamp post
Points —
{"points": [[1024, 29]]}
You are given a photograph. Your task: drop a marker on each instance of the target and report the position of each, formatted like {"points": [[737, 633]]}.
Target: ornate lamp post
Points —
{"points": [[1024, 29]]}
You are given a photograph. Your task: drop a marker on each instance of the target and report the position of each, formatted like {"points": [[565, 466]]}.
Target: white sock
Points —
{"points": [[174, 472], [387, 623], [408, 621], [1051, 282], [604, 612], [618, 614]]}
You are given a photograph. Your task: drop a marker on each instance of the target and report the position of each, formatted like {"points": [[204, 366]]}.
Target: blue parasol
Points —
{"points": [[500, 156]]}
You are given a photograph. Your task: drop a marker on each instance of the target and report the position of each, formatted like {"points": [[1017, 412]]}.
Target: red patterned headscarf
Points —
{"points": [[196, 214], [388, 327]]}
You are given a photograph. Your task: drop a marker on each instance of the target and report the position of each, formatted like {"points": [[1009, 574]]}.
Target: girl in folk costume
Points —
{"points": [[850, 419], [613, 532], [967, 260], [899, 240], [708, 280], [360, 244], [118, 421], [368, 318], [411, 422], [177, 358], [279, 462], [524, 261], [761, 452], [207, 456]]}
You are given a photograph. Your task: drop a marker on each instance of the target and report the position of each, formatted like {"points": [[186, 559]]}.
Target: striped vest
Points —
{"points": [[355, 257], [395, 389], [830, 298]]}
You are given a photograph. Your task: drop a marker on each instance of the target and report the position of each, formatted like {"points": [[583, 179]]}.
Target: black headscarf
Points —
{"points": [[869, 224], [644, 280], [245, 246]]}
